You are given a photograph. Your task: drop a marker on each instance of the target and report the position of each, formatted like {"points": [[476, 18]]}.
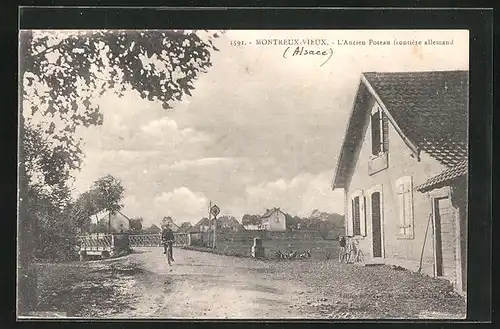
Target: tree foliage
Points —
{"points": [[185, 226], [62, 75], [136, 225], [250, 220], [108, 192], [105, 194]]}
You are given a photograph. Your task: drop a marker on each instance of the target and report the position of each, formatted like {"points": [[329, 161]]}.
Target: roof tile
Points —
{"points": [[459, 170], [430, 108]]}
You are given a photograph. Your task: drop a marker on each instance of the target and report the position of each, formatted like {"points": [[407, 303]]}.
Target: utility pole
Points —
{"points": [[215, 229], [209, 220]]}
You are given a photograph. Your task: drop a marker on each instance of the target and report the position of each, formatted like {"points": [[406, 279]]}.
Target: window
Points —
{"points": [[356, 216], [357, 223], [404, 191], [379, 129]]}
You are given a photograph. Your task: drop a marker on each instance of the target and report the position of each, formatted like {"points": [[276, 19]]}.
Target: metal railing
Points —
{"points": [[144, 240], [95, 240], [154, 240]]}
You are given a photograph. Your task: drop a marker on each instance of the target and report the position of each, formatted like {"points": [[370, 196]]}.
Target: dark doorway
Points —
{"points": [[445, 238], [376, 225]]}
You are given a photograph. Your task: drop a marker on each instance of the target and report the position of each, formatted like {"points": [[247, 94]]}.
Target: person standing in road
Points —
{"points": [[167, 236]]}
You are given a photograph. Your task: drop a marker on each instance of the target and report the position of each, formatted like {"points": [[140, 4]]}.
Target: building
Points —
{"points": [[115, 222], [251, 227], [229, 224], [203, 225], [274, 220], [403, 168], [169, 221]]}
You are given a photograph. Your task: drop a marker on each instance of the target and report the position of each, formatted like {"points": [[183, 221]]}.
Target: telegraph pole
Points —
{"points": [[209, 220], [214, 210], [215, 229]]}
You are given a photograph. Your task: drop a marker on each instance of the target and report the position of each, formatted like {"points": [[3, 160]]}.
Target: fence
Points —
{"points": [[100, 244], [154, 240], [144, 240], [182, 239]]}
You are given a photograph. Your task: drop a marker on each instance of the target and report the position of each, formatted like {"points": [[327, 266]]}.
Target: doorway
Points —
{"points": [[445, 229], [376, 224]]}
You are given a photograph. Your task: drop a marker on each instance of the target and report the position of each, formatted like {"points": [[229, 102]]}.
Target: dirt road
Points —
{"points": [[204, 285]]}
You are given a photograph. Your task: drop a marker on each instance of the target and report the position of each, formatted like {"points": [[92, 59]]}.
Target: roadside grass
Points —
{"points": [[335, 290], [320, 249], [84, 289], [349, 291]]}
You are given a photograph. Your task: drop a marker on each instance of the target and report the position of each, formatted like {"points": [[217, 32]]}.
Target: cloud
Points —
{"points": [[297, 196], [199, 163], [166, 131], [182, 205]]}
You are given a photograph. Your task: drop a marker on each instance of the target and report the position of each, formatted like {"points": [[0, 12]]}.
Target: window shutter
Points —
{"points": [[401, 206], [385, 132], [408, 198], [375, 127], [404, 191], [362, 215]]}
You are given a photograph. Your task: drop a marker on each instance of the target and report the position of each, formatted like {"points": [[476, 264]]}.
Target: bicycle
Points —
{"points": [[168, 251], [356, 255], [350, 252]]}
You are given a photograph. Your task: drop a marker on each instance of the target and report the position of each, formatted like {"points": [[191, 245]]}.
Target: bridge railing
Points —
{"points": [[101, 244], [154, 240]]}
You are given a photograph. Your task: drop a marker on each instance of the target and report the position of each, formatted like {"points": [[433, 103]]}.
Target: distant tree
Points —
{"points": [[186, 226], [82, 209], [61, 75], [100, 227], [250, 220], [108, 192], [300, 223], [290, 223], [136, 225]]}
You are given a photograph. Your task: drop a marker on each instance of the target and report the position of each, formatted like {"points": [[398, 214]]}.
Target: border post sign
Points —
{"points": [[214, 210]]}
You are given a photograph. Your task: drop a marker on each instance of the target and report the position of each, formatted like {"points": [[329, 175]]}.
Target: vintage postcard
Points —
{"points": [[243, 174]]}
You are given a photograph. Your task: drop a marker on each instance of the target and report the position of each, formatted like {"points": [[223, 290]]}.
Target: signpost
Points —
{"points": [[214, 210]]}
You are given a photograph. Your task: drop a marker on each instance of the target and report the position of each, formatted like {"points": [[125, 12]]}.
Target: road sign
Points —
{"points": [[214, 210]]}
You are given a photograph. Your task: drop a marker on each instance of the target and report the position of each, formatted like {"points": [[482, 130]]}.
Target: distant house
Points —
{"points": [[250, 227], [229, 223], [201, 226], [274, 220], [170, 221], [153, 229], [115, 222], [403, 167]]}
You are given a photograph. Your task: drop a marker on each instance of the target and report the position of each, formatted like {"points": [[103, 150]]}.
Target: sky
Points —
{"points": [[260, 130]]}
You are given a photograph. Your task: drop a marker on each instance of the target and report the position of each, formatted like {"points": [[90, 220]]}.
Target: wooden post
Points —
{"points": [[209, 221], [215, 229]]}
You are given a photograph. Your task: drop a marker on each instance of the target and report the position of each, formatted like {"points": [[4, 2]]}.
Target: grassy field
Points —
{"points": [[319, 248]]}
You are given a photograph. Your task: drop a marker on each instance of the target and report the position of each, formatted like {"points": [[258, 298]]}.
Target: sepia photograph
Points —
{"points": [[243, 174]]}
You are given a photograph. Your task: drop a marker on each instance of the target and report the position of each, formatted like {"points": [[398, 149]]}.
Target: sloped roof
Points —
{"points": [[428, 110], [269, 212], [114, 215], [230, 221], [196, 227], [171, 222], [445, 177]]}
